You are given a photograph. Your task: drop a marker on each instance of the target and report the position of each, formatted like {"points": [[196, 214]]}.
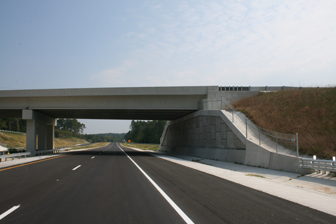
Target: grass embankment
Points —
{"points": [[309, 112], [63, 142], [19, 140], [13, 139], [142, 146]]}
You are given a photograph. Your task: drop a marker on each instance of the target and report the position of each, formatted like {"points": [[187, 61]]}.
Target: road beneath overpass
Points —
{"points": [[104, 186]]}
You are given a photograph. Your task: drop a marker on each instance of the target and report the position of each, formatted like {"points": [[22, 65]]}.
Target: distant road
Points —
{"points": [[104, 186]]}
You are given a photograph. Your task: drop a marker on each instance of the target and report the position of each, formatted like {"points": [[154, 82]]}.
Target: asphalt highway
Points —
{"points": [[105, 185]]}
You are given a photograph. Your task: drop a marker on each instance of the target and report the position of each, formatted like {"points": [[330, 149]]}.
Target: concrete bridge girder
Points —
{"points": [[40, 107]]}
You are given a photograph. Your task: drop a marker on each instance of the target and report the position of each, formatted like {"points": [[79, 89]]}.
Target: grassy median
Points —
{"points": [[96, 145]]}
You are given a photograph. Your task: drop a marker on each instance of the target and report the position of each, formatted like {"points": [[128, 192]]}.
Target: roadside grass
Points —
{"points": [[19, 140], [64, 142], [13, 139], [142, 146], [96, 145], [309, 112], [254, 175]]}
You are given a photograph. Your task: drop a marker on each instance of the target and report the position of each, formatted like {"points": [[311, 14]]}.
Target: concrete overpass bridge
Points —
{"points": [[40, 108], [197, 125]]}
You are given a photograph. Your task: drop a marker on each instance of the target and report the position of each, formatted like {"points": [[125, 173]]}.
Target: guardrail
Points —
{"points": [[15, 155], [36, 153], [16, 132], [318, 164], [51, 151]]}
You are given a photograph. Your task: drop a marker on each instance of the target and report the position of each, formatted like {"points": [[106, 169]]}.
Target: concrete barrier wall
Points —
{"points": [[202, 129], [287, 163], [258, 156]]}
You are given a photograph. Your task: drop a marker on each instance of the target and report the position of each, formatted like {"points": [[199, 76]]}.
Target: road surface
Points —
{"points": [[104, 185]]}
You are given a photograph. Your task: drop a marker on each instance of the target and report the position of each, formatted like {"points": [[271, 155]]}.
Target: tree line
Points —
{"points": [[141, 131], [68, 126], [71, 125], [65, 128], [73, 128], [145, 131], [13, 124], [109, 137]]}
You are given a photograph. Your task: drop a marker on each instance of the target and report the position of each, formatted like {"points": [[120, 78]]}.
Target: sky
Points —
{"points": [[86, 44]]}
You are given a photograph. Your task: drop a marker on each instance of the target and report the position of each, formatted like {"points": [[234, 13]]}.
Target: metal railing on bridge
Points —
{"points": [[259, 88]]}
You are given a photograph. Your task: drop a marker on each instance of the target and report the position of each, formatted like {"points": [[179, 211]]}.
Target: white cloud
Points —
{"points": [[232, 43]]}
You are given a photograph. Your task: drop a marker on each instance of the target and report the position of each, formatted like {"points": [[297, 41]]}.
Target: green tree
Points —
{"points": [[145, 131]]}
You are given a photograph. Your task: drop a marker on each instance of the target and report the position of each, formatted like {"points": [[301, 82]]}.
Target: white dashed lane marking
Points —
{"points": [[3, 215], [76, 167]]}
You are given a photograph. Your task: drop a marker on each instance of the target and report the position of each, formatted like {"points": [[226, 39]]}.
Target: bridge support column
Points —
{"points": [[31, 136], [42, 136], [50, 137], [41, 125]]}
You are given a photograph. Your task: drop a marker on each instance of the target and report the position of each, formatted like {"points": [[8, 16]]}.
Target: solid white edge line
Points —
{"points": [[170, 201], [76, 167], [3, 215]]}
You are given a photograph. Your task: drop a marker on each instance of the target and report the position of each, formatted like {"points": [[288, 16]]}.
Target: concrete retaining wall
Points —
{"points": [[203, 134], [210, 134]]}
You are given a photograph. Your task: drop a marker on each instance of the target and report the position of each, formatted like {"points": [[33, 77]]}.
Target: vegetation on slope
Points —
{"points": [[309, 112], [13, 140], [64, 142]]}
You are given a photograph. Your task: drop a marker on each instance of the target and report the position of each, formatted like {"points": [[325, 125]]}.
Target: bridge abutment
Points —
{"points": [[210, 134], [203, 134]]}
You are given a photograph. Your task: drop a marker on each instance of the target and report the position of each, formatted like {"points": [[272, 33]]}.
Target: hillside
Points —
{"points": [[309, 112], [19, 140]]}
